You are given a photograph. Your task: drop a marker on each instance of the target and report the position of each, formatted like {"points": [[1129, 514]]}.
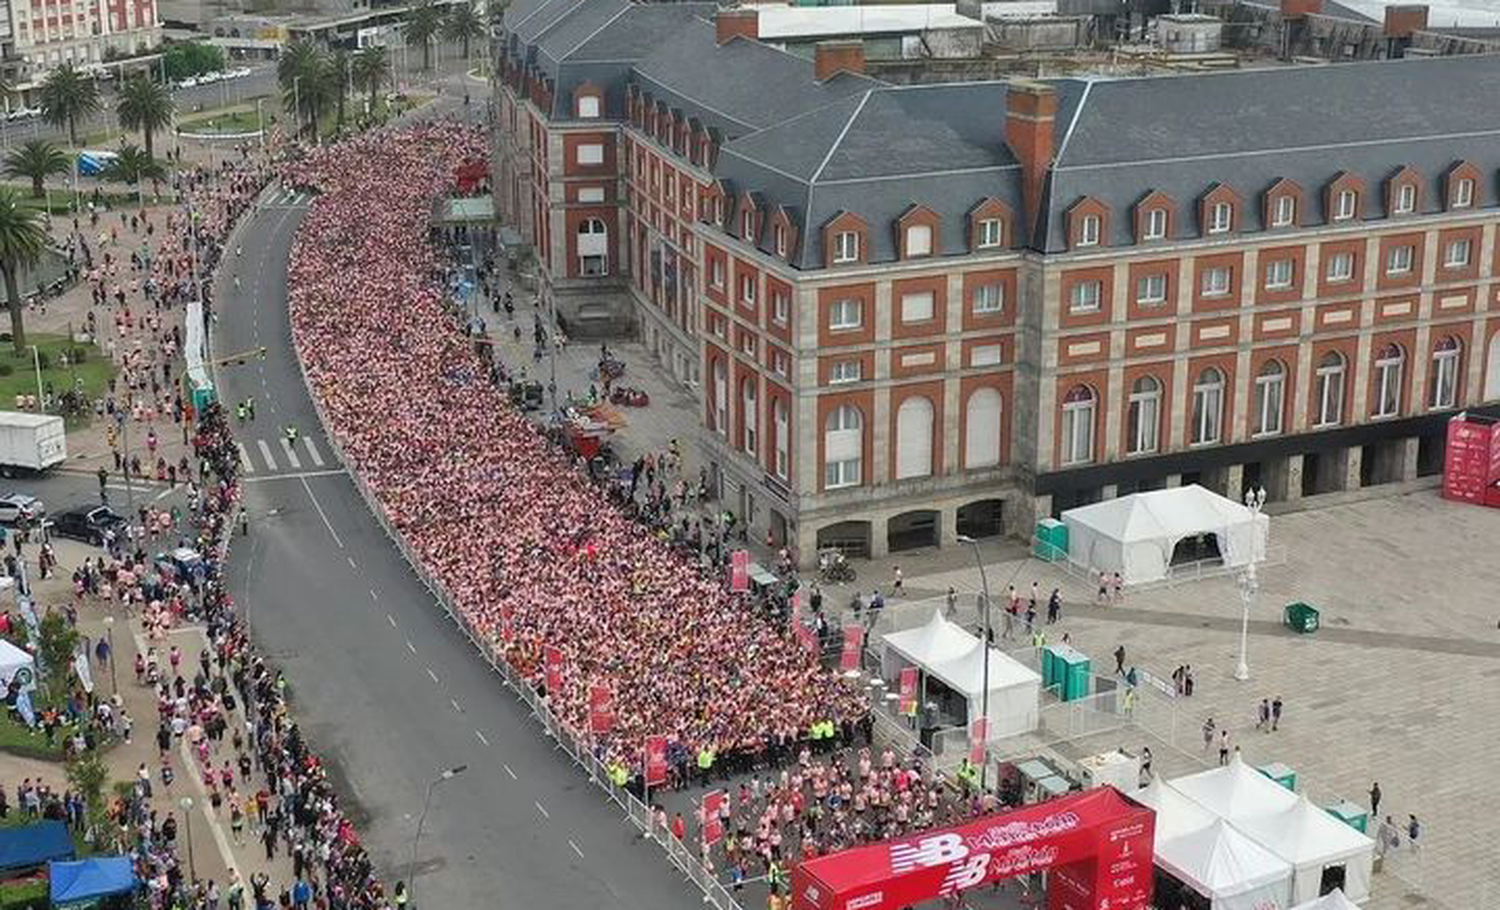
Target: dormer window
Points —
{"points": [[1463, 193], [919, 240], [846, 246], [1156, 224], [1221, 218], [1345, 204], [588, 107], [1406, 199], [747, 226], [1088, 230], [991, 233], [1285, 213], [778, 235]]}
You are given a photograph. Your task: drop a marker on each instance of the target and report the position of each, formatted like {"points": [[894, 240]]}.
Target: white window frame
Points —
{"points": [[918, 240], [985, 355], [989, 299], [910, 301], [1345, 205], [1445, 376], [846, 246], [1209, 286], [1342, 274], [1078, 430], [1156, 224], [1284, 212], [1081, 300], [747, 289], [591, 154], [778, 235], [591, 194], [1089, 227], [844, 472], [1279, 274], [1331, 378], [1452, 261], [842, 372], [750, 412], [1207, 416], [991, 233], [1144, 404], [1463, 193], [747, 225], [1220, 218], [781, 307], [1270, 400], [1151, 290], [1400, 259], [1388, 375], [716, 274], [782, 424], [840, 318], [1406, 199]]}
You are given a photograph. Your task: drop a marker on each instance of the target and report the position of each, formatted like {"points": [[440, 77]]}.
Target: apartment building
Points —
{"points": [[43, 34], [913, 312]]}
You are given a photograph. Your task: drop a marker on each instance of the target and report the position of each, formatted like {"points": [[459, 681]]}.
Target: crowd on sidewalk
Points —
{"points": [[529, 549]]}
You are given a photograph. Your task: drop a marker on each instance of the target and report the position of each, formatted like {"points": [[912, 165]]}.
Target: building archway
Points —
{"points": [[850, 537], [982, 518], [912, 530]]}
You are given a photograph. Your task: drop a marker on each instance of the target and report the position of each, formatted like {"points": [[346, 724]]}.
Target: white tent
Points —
{"points": [[1228, 868], [1333, 900], [14, 661], [1176, 815], [1312, 841], [947, 652], [1135, 535], [1236, 792]]}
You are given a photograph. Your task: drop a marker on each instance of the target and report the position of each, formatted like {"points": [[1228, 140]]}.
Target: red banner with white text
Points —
{"points": [[554, 663], [739, 570], [854, 640], [713, 825], [909, 690], [656, 761], [601, 709]]}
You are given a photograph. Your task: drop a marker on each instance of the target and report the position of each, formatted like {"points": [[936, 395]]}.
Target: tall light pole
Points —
{"points": [[187, 816], [36, 362], [297, 103], [984, 696], [1249, 584], [109, 632], [411, 870]]}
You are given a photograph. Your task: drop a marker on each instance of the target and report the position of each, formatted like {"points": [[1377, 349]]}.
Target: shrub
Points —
{"points": [[6, 369], [78, 355], [43, 360]]}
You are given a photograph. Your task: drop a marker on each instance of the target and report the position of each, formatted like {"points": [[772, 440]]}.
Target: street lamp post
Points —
{"points": [[1249, 584], [36, 362], [260, 121], [411, 870], [187, 816], [109, 632], [984, 697], [297, 103]]}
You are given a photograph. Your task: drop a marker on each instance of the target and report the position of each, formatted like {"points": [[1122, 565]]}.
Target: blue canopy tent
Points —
{"points": [[32, 845], [90, 879]]}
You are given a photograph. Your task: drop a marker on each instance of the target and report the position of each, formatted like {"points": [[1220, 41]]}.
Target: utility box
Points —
{"points": [[1051, 542], [1301, 617]]}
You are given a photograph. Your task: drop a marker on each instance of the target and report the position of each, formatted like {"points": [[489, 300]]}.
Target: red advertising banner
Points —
{"points": [[713, 827], [1494, 473], [1098, 841], [1468, 460], [739, 570], [507, 630], [656, 761], [978, 730], [808, 636], [601, 709], [796, 605], [909, 691], [554, 662], [854, 639]]}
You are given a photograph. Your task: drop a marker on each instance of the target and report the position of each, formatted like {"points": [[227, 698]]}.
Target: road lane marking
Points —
{"points": [[410, 647], [165, 493], [510, 772], [328, 473], [244, 458], [351, 562], [541, 809], [373, 595], [575, 848], [456, 708], [324, 515], [432, 674], [291, 453], [481, 737], [390, 619], [265, 450], [312, 451]]}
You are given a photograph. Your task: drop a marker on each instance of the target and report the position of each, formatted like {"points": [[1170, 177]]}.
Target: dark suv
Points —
{"points": [[87, 523]]}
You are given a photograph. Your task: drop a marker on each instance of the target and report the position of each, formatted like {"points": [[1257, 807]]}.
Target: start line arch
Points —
{"points": [[1097, 845]]}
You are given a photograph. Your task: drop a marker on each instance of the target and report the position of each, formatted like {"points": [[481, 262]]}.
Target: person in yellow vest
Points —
{"points": [[705, 764], [1038, 638]]}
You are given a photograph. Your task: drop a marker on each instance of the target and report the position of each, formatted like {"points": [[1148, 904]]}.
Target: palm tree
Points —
{"points": [[302, 72], [372, 69], [66, 95], [132, 165], [463, 24], [22, 240], [424, 24], [338, 65], [146, 106], [37, 160]]}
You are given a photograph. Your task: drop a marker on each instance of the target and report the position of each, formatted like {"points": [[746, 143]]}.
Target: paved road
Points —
{"points": [[386, 687]]}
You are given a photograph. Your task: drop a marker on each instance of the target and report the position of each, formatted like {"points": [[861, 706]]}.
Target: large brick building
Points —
{"points": [[912, 312]]}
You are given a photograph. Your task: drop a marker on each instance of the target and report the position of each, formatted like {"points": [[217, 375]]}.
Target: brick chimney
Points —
{"points": [[1401, 21], [1297, 9], [1030, 110], [734, 23], [834, 57]]}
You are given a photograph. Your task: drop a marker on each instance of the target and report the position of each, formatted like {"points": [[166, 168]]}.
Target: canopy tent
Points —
{"points": [[1176, 815], [1228, 868], [947, 652], [32, 845], [90, 879], [1235, 792], [13, 662], [1313, 842], [1136, 535], [1333, 900]]}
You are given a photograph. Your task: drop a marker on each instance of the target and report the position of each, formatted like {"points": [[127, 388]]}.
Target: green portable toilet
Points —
{"points": [[1050, 676], [1051, 540], [1074, 671], [1280, 773], [1301, 617], [1354, 816]]}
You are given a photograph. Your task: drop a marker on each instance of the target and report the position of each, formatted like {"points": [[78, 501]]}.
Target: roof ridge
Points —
{"points": [[842, 133], [624, 8]]}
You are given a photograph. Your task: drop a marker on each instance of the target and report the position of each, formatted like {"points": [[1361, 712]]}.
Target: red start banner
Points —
{"points": [[554, 663], [979, 729], [854, 640], [601, 709], [1096, 844], [656, 761], [739, 570], [909, 691], [713, 825]]}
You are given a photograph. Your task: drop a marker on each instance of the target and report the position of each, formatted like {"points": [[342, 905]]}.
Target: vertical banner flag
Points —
{"points": [[808, 636], [739, 570], [796, 605], [507, 632], [713, 828], [978, 734], [854, 639], [909, 691], [554, 661], [656, 761], [601, 709]]}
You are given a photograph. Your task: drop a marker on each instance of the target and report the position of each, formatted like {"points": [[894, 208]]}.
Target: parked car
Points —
{"points": [[87, 523], [18, 505], [239, 72], [24, 113], [189, 82]]}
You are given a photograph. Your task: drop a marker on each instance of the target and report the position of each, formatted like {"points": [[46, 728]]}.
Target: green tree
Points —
{"points": [[57, 640], [422, 25], [66, 95], [132, 165], [88, 777], [338, 66], [36, 160], [304, 74], [191, 58], [146, 106], [371, 69], [463, 24]]}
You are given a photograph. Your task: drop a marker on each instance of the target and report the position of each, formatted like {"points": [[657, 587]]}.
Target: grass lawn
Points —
{"points": [[232, 121], [17, 740], [93, 373], [62, 198], [25, 893]]}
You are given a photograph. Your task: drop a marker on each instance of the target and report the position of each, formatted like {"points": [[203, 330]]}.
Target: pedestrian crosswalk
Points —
{"points": [[269, 456], [287, 197]]}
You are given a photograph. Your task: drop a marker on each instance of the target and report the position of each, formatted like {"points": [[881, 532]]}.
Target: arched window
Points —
{"points": [[1208, 407], [982, 429], [1144, 417], [721, 400], [781, 426], [843, 447], [914, 438], [748, 415], [1270, 397], [1445, 359], [1078, 426], [593, 248], [1330, 390], [1389, 364]]}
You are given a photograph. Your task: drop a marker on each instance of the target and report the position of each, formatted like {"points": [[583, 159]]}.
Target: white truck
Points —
{"points": [[31, 442]]}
